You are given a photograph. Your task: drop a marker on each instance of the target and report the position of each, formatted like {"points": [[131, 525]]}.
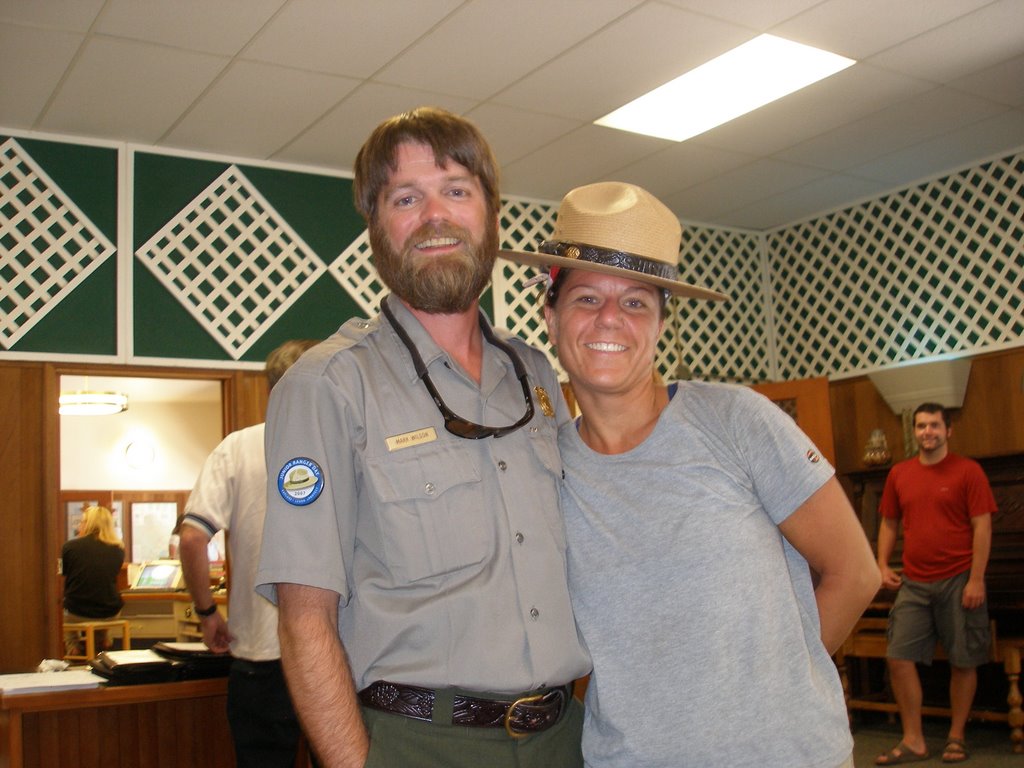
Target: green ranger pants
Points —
{"points": [[402, 742]]}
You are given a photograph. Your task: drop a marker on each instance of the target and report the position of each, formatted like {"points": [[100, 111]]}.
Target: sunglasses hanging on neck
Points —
{"points": [[454, 423]]}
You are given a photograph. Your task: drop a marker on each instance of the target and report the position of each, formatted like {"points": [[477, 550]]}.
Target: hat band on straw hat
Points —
{"points": [[612, 258]]}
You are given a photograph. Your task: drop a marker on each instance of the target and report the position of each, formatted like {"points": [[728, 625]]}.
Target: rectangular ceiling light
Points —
{"points": [[739, 81]]}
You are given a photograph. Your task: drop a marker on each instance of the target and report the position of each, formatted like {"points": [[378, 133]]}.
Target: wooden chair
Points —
{"points": [[87, 629]]}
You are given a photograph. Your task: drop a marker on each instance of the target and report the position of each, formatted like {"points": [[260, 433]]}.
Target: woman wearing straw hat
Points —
{"points": [[714, 561]]}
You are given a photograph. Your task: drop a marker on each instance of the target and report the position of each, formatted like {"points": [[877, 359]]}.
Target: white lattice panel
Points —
{"points": [[730, 340], [232, 261], [931, 270], [47, 244], [355, 272]]}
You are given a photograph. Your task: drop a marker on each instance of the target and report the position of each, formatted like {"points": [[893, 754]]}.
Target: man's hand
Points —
{"points": [[974, 594], [890, 579], [216, 634]]}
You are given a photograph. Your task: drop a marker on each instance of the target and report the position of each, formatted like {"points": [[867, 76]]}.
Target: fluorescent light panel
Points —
{"points": [[739, 81]]}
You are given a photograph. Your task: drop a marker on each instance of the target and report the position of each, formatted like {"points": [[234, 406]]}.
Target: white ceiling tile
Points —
{"points": [[456, 58], [642, 50], [817, 197], [580, 157], [222, 27], [819, 108], [514, 133], [679, 166], [349, 38], [692, 205], [914, 120], [976, 41], [32, 62], [961, 147], [740, 187], [254, 109], [762, 178], [1003, 82], [103, 97], [861, 28], [758, 15], [334, 141], [72, 15]]}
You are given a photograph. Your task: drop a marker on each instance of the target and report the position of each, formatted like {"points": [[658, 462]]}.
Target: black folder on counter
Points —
{"points": [[194, 660], [134, 668], [164, 663]]}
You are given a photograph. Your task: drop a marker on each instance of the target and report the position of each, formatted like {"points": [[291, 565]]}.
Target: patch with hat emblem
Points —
{"points": [[300, 481]]}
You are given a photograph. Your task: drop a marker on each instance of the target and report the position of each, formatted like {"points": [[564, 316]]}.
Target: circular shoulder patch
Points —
{"points": [[300, 481]]}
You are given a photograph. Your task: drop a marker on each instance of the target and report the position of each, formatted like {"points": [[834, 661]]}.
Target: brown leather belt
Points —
{"points": [[519, 717]]}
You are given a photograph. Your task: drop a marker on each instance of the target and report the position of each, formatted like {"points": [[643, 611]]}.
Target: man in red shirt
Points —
{"points": [[946, 507]]}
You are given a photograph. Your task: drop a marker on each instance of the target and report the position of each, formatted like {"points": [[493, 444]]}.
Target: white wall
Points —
{"points": [[178, 436]]}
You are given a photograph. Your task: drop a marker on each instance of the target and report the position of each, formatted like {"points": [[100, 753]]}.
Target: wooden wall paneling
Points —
{"points": [[22, 517], [857, 410], [991, 421], [246, 399], [813, 410]]}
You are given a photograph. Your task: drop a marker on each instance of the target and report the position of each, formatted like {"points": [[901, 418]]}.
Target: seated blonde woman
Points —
{"points": [[90, 563]]}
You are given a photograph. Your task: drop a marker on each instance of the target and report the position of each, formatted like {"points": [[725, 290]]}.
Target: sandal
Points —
{"points": [[955, 751], [901, 754]]}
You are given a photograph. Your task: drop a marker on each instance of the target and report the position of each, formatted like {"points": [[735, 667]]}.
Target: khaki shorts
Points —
{"points": [[928, 612]]}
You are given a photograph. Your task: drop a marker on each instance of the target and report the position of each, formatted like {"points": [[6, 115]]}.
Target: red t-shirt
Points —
{"points": [[936, 503]]}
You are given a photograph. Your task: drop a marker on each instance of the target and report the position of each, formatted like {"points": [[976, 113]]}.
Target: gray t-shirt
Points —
{"points": [[699, 616], [448, 554]]}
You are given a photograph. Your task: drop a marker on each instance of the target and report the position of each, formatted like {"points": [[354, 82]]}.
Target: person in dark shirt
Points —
{"points": [[90, 564]]}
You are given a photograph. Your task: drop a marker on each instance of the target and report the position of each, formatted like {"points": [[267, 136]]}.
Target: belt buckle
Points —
{"points": [[512, 708]]}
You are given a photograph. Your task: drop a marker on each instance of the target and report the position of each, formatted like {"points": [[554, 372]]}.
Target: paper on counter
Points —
{"points": [[42, 682]]}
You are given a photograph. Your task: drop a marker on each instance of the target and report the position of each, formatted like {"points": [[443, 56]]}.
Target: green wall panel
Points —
{"points": [[164, 328], [88, 175], [84, 323], [55, 249], [316, 208]]}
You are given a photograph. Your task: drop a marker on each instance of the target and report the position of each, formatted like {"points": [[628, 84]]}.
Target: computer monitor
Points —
{"points": [[159, 575]]}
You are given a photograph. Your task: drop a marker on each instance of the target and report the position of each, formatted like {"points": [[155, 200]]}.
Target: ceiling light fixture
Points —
{"points": [[739, 81], [92, 403]]}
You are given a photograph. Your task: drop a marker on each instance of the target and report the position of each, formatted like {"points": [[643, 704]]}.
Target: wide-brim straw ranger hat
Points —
{"points": [[616, 229]]}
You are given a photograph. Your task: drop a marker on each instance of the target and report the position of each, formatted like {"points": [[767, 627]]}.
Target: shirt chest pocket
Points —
{"points": [[428, 509]]}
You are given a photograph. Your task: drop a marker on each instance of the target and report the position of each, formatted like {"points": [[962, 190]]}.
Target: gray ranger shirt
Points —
{"points": [[448, 554]]}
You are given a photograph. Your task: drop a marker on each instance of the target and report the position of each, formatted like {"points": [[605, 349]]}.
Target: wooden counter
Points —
{"points": [[164, 616], [179, 725]]}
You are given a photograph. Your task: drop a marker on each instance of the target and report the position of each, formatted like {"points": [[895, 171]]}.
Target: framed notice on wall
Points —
{"points": [[152, 523]]}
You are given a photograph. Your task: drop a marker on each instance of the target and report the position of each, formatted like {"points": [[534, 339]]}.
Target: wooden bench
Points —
{"points": [[868, 640], [88, 630]]}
